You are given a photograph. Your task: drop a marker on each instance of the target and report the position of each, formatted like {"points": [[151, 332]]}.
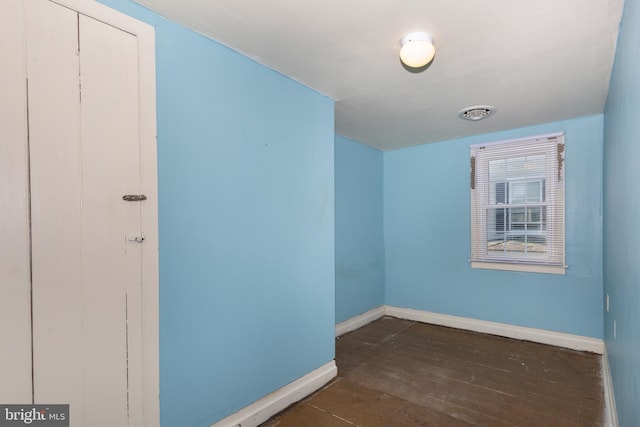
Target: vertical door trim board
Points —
{"points": [[145, 35]]}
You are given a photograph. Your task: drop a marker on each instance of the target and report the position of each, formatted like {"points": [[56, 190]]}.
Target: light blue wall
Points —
{"points": [[427, 237], [246, 210], [622, 219], [359, 242]]}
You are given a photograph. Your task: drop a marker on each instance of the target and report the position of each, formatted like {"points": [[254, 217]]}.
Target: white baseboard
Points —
{"points": [[559, 339], [359, 321], [611, 414], [260, 411]]}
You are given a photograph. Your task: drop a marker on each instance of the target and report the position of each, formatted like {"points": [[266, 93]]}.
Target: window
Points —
{"points": [[517, 205]]}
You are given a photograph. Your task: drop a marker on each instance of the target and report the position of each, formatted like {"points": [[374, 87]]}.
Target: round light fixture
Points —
{"points": [[417, 49]]}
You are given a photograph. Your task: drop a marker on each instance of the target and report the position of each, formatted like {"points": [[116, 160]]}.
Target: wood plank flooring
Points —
{"points": [[396, 373]]}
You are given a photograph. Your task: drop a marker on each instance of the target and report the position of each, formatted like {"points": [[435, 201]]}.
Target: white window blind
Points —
{"points": [[517, 202]]}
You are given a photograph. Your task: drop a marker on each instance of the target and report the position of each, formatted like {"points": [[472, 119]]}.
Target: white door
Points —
{"points": [[93, 255]]}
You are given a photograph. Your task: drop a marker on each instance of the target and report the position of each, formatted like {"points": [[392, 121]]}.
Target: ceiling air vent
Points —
{"points": [[477, 112]]}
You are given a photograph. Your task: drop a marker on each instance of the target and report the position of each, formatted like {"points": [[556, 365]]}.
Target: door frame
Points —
{"points": [[145, 35]]}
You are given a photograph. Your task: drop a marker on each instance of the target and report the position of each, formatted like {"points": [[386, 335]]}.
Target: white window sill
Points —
{"points": [[529, 268]]}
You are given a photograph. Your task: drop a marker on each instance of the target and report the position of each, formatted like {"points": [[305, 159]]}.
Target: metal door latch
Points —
{"points": [[134, 197], [137, 239]]}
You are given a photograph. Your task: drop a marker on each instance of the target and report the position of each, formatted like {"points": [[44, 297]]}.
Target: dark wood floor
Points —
{"points": [[395, 373]]}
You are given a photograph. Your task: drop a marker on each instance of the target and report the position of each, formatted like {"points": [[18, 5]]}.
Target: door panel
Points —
{"points": [[55, 152], [111, 168], [15, 289], [85, 157]]}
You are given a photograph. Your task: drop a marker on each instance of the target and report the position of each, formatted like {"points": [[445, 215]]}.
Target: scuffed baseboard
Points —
{"points": [[263, 409], [558, 339], [359, 321]]}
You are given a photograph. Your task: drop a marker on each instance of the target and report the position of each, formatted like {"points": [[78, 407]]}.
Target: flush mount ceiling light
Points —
{"points": [[477, 112], [417, 49]]}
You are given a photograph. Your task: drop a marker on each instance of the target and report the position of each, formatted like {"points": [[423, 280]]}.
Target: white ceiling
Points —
{"points": [[535, 61]]}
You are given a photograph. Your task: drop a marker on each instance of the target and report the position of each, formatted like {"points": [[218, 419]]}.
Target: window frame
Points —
{"points": [[552, 193]]}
